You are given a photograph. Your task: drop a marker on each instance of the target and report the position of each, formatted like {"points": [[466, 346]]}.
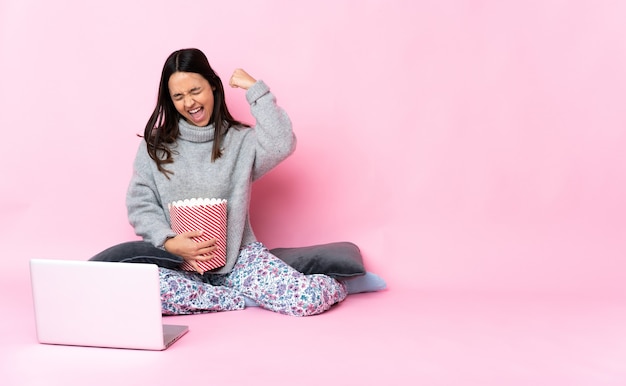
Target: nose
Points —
{"points": [[188, 101]]}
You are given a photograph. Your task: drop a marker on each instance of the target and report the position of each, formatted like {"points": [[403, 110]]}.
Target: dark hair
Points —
{"points": [[162, 127]]}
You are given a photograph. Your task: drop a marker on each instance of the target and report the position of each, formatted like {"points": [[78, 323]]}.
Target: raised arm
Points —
{"points": [[273, 129]]}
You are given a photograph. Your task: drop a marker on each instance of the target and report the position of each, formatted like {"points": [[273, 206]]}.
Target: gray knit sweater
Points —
{"points": [[248, 153]]}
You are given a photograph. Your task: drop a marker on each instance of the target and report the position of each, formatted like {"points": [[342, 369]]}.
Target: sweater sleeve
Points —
{"points": [[145, 212], [273, 129]]}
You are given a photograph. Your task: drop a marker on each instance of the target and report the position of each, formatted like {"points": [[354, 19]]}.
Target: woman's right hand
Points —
{"points": [[191, 251]]}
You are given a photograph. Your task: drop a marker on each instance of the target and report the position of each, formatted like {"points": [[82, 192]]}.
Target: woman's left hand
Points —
{"points": [[241, 79]]}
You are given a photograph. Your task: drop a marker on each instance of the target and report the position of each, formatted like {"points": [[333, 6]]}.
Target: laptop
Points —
{"points": [[100, 304]]}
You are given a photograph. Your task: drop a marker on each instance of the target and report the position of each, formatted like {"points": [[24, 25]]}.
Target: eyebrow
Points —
{"points": [[194, 89]]}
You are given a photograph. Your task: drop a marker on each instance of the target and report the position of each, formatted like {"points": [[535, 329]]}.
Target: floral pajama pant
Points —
{"points": [[258, 275]]}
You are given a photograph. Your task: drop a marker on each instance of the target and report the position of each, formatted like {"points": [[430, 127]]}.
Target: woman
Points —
{"points": [[194, 148]]}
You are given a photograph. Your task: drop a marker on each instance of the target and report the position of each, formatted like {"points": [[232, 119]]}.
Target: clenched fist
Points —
{"points": [[241, 79]]}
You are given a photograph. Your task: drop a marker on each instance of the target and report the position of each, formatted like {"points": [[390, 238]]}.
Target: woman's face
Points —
{"points": [[192, 95]]}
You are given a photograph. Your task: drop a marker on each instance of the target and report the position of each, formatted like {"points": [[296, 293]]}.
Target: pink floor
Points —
{"points": [[395, 337]]}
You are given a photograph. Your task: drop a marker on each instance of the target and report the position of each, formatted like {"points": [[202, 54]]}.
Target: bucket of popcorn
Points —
{"points": [[208, 215]]}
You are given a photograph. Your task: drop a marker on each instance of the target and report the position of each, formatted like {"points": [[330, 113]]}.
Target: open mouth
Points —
{"points": [[197, 114]]}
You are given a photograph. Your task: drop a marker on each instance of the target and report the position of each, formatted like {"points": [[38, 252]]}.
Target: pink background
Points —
{"points": [[472, 149], [463, 145]]}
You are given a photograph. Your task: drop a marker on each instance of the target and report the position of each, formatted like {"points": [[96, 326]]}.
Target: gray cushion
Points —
{"points": [[139, 252], [339, 259]]}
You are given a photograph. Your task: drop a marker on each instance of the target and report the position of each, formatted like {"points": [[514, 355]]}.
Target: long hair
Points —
{"points": [[162, 127]]}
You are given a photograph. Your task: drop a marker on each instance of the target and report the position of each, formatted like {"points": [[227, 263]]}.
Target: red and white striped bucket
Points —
{"points": [[208, 215]]}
